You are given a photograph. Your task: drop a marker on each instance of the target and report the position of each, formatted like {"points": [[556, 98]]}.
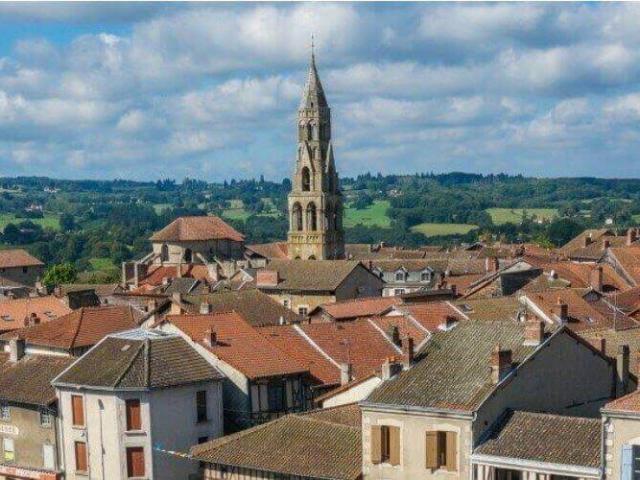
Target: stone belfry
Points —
{"points": [[315, 201]]}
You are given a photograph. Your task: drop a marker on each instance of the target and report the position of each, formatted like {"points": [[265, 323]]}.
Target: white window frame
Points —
{"points": [[5, 412], [8, 446], [45, 418]]}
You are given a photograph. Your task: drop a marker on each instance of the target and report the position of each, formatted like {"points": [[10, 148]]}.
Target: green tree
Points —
{"points": [[60, 273], [67, 223]]}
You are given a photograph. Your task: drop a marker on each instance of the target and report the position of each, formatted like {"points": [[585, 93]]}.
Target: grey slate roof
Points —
{"points": [[545, 438], [313, 94], [139, 360], [453, 370]]}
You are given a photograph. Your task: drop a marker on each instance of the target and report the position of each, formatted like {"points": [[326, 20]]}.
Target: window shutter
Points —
{"points": [[77, 410], [81, 456], [432, 450], [376, 444], [626, 463], [135, 462], [133, 415], [394, 445], [452, 451]]}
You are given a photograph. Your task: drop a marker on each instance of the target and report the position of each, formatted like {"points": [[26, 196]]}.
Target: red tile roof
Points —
{"points": [[357, 342], [628, 258], [81, 328], [405, 325], [13, 313], [360, 307], [17, 258], [287, 338], [238, 344], [629, 403], [275, 250], [157, 274], [197, 229], [431, 315]]}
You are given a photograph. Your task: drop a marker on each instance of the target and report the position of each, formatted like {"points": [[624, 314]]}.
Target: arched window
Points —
{"points": [[312, 257], [296, 217], [188, 255], [164, 253], [312, 219], [306, 179], [309, 131]]}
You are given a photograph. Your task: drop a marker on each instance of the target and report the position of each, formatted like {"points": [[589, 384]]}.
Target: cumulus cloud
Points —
{"points": [[153, 90]]}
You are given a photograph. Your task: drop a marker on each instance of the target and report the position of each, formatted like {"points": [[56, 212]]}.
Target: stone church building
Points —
{"points": [[315, 201]]}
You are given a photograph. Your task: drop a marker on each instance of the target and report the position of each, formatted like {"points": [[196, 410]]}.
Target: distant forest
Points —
{"points": [[94, 225]]}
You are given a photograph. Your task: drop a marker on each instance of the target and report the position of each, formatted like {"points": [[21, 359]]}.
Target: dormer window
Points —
{"points": [[400, 276], [425, 276]]}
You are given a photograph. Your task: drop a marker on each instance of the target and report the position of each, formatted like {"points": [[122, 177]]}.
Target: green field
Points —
{"points": [[101, 263], [49, 220], [500, 216], [437, 229], [373, 216], [158, 207]]}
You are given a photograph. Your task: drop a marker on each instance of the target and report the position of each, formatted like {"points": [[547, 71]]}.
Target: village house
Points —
{"points": [[426, 421], [302, 285], [318, 445], [133, 399], [29, 426], [621, 436], [19, 268], [408, 275], [261, 382]]}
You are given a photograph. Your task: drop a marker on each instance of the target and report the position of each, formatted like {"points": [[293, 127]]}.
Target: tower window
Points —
{"points": [[312, 218], [296, 220], [306, 179]]}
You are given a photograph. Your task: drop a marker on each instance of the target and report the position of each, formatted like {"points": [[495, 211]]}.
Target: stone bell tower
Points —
{"points": [[315, 201]]}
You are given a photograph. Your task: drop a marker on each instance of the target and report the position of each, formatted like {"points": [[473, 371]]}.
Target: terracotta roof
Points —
{"points": [[29, 380], [81, 328], [275, 250], [627, 301], [463, 282], [579, 274], [431, 315], [490, 309], [156, 274], [325, 445], [412, 265], [542, 437], [630, 403], [238, 344], [453, 370], [407, 327], [288, 339], [17, 258], [101, 289], [13, 313], [628, 258], [185, 229], [359, 307], [583, 316], [577, 242], [139, 359], [257, 308], [357, 342], [311, 275]]}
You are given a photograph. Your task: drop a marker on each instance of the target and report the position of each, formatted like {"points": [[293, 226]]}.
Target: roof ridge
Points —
{"points": [[128, 367]]}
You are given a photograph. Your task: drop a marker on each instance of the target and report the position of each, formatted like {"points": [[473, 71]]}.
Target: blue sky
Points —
{"points": [[149, 90]]}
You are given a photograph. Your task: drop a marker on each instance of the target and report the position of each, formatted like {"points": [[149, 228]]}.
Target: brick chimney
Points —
{"points": [[501, 363], [605, 244], [407, 352], [602, 346], [631, 236], [16, 349], [563, 310], [205, 308], [267, 278], [491, 264], [595, 278], [622, 371], [533, 332], [210, 338], [346, 373]]}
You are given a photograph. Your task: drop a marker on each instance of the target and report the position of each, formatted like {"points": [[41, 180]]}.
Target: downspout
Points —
{"points": [[474, 416], [603, 434]]}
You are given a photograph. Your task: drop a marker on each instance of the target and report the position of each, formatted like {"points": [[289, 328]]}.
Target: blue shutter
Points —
{"points": [[626, 463]]}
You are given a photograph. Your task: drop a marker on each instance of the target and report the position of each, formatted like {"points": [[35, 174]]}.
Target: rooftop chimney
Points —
{"points": [[345, 373], [631, 236], [595, 278], [605, 244], [205, 308], [602, 346], [491, 264], [16, 349], [267, 278], [533, 332], [407, 352], [501, 363], [210, 338], [622, 370], [586, 241], [563, 310]]}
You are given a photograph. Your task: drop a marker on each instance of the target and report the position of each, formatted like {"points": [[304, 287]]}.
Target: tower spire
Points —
{"points": [[313, 95]]}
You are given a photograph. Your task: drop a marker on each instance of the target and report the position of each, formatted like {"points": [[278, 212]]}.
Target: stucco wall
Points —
{"points": [[208, 249], [619, 431]]}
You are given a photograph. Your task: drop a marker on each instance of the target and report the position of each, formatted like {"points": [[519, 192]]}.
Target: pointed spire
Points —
{"points": [[313, 95]]}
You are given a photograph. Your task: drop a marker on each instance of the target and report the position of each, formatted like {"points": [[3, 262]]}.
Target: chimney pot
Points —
{"points": [[501, 363], [533, 332], [345, 373], [16, 349], [563, 310], [407, 352]]}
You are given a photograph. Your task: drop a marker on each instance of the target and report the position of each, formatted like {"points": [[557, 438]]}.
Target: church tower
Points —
{"points": [[315, 201]]}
